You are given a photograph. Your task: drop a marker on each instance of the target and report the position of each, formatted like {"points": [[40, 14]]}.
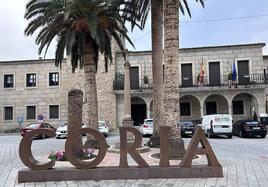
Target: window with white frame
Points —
{"points": [[54, 111], [30, 112], [31, 80], [8, 81], [8, 113], [54, 79]]}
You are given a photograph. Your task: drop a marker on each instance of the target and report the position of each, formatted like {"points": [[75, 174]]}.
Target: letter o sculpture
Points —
{"points": [[71, 155]]}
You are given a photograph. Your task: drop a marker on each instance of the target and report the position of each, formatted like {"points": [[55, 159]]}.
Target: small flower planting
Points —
{"points": [[83, 154]]}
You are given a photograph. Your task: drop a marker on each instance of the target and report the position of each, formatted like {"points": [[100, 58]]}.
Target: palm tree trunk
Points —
{"points": [[91, 91], [157, 68], [171, 84]]}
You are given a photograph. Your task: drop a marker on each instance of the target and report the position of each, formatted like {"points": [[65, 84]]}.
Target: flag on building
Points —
{"points": [[234, 74], [202, 72]]}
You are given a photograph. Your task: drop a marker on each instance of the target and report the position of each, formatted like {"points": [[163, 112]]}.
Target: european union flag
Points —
{"points": [[234, 74]]}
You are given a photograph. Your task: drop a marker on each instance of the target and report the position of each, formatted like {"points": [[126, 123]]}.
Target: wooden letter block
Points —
{"points": [[25, 151], [72, 155], [131, 149], [193, 149]]}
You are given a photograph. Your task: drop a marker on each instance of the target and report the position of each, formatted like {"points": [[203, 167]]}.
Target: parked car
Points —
{"points": [[104, 128], [147, 127], [34, 126], [187, 128], [217, 124], [245, 128], [263, 118], [61, 132]]}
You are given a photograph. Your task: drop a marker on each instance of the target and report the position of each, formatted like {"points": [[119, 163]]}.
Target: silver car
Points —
{"points": [[61, 132]]}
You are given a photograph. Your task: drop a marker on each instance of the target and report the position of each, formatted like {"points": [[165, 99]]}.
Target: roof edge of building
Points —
{"points": [[262, 44], [29, 61]]}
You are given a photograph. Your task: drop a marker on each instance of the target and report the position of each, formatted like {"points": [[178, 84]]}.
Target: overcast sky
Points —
{"points": [[221, 22]]}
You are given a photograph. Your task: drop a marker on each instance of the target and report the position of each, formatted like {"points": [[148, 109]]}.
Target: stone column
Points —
{"points": [[230, 108], [148, 113], [127, 121], [201, 109]]}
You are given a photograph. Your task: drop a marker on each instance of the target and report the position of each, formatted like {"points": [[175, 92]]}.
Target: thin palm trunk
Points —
{"points": [[91, 87], [171, 85], [157, 68]]}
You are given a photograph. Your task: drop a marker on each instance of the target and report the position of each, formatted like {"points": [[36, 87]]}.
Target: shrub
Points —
{"points": [[145, 80]]}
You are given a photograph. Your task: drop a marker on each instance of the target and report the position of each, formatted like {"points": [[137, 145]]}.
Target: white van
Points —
{"points": [[263, 118], [217, 124]]}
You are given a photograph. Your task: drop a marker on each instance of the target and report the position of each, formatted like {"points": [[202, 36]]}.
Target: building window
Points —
{"points": [[9, 81], [238, 107], [31, 80], [185, 109], [8, 113], [54, 111], [31, 112], [54, 79]]}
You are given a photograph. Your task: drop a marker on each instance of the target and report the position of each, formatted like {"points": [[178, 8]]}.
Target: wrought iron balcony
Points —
{"points": [[208, 81], [224, 80]]}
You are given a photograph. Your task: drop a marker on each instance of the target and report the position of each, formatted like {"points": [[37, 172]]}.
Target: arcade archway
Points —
{"points": [[138, 110], [215, 104]]}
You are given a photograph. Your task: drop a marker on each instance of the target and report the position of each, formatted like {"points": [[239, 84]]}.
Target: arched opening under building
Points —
{"points": [[190, 108], [244, 106], [138, 110], [215, 104]]}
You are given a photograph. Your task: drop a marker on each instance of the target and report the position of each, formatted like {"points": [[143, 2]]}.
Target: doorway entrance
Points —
{"points": [[243, 72], [214, 74], [138, 110], [211, 108], [187, 75]]}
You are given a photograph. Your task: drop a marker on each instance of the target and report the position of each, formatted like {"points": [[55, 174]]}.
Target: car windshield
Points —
{"points": [[186, 123], [65, 124], [222, 119], [101, 123], [149, 121], [33, 126], [264, 120], [252, 123]]}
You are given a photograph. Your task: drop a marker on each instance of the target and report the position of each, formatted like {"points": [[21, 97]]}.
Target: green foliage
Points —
{"points": [[230, 76], [184, 5], [140, 8], [145, 80], [198, 77], [78, 24]]}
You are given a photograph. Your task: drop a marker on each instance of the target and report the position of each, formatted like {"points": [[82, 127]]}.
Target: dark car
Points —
{"points": [[187, 128], [34, 126], [245, 128]]}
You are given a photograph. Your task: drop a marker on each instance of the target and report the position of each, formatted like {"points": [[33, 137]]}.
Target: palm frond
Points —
{"points": [[75, 22]]}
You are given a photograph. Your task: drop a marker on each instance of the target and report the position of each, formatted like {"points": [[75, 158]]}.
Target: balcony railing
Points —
{"points": [[208, 81], [223, 80]]}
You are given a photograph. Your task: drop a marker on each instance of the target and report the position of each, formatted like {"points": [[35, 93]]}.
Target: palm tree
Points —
{"points": [[157, 68], [171, 84], [157, 63], [84, 28]]}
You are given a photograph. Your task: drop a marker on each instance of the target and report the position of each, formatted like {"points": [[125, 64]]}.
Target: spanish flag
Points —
{"points": [[202, 72]]}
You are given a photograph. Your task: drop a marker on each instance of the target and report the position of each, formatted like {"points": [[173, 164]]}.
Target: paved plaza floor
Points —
{"points": [[244, 162]]}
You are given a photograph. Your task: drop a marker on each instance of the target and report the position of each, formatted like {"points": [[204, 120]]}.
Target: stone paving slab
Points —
{"points": [[244, 161]]}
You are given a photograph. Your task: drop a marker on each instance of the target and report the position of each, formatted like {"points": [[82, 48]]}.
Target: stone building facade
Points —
{"points": [[33, 87], [19, 97], [215, 94]]}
